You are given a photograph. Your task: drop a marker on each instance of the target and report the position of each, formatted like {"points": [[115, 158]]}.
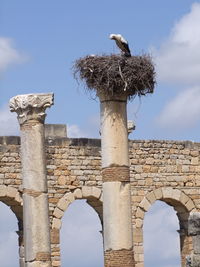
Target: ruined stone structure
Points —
{"points": [[159, 170]]}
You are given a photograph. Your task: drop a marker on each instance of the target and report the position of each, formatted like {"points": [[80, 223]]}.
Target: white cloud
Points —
{"points": [[183, 111], [90, 130], [178, 59], [74, 131], [8, 54], [178, 62], [8, 122]]}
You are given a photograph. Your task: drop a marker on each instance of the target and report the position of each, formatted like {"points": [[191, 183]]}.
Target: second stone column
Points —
{"points": [[117, 226]]}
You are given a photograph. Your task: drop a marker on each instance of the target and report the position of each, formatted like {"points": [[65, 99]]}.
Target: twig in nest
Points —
{"points": [[126, 84]]}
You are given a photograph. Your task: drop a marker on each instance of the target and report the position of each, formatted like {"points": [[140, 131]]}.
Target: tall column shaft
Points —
{"points": [[117, 226], [31, 115]]}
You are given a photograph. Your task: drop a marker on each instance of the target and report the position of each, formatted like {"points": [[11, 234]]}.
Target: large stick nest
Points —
{"points": [[116, 74]]}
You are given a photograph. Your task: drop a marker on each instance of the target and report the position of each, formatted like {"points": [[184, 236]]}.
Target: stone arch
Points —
{"points": [[174, 197], [182, 204], [92, 194], [12, 198]]}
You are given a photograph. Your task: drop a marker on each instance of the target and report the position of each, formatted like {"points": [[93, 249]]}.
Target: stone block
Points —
{"points": [[184, 198], [18, 198], [55, 238], [63, 204], [194, 224], [138, 169], [96, 192], [176, 194], [190, 205], [56, 263], [86, 191], [140, 213], [36, 214], [3, 191], [195, 161], [151, 197], [196, 243], [195, 260], [56, 223], [58, 213], [78, 193], [62, 180], [138, 223], [11, 192], [145, 204], [69, 197], [158, 193], [38, 264], [137, 235], [167, 192]]}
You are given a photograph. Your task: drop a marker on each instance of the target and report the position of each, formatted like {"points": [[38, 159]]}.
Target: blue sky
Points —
{"points": [[40, 40]]}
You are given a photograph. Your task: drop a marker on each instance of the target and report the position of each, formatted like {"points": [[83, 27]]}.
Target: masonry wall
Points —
{"points": [[160, 170]]}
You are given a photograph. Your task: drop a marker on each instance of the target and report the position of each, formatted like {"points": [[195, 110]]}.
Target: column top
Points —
{"points": [[31, 106], [103, 96]]}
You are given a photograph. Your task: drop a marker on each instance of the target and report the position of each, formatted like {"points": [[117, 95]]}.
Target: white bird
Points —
{"points": [[121, 43]]}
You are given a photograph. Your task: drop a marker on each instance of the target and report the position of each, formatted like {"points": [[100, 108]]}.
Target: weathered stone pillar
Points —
{"points": [[117, 226], [21, 248], [194, 231], [31, 115]]}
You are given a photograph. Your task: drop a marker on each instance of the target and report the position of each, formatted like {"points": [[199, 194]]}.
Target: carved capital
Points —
{"points": [[31, 106]]}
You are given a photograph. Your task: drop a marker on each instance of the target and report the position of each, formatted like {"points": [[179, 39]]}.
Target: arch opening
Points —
{"points": [[161, 236], [81, 236], [9, 255]]}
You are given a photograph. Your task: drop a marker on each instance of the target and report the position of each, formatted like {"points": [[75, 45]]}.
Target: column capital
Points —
{"points": [[104, 97], [31, 106]]}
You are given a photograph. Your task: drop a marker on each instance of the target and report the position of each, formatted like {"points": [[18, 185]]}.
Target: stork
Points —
{"points": [[121, 43]]}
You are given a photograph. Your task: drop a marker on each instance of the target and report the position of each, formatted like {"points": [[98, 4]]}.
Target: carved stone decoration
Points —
{"points": [[194, 224], [31, 106], [188, 261]]}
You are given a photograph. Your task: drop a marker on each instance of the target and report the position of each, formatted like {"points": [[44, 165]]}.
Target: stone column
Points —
{"points": [[21, 249], [117, 226], [194, 231], [31, 115]]}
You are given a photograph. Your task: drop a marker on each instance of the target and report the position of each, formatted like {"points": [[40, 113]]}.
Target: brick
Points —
{"points": [[151, 197], [78, 193], [96, 192], [56, 223], [63, 204], [116, 173], [58, 213], [118, 258], [145, 204], [86, 191], [158, 193], [167, 192]]}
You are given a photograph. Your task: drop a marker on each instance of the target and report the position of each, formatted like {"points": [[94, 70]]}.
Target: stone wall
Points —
{"points": [[160, 170]]}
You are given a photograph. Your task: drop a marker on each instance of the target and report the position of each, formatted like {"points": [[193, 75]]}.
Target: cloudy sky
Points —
{"points": [[40, 40]]}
